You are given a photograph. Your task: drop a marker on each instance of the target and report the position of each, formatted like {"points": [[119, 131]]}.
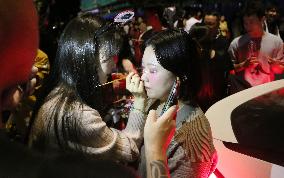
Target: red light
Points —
{"points": [[216, 174]]}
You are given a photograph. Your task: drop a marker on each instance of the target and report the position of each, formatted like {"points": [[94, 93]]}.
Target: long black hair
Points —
{"points": [[75, 74], [177, 52]]}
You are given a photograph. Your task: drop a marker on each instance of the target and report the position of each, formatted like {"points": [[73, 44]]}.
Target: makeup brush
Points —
{"points": [[107, 83]]}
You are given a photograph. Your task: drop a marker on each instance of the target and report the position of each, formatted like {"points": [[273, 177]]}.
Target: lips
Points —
{"points": [[146, 88]]}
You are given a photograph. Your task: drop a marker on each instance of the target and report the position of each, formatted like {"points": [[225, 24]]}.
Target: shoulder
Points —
{"points": [[237, 39], [234, 43], [273, 37], [88, 119], [238, 42], [187, 113], [87, 113], [194, 131]]}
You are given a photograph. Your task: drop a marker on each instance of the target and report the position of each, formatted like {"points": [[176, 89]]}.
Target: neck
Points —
{"points": [[180, 104], [162, 103]]}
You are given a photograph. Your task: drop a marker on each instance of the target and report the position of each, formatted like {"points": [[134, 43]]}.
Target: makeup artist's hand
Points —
{"points": [[136, 86], [118, 81]]}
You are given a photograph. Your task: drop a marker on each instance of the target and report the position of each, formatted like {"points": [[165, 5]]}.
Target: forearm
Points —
{"points": [[136, 122], [109, 143], [139, 104], [135, 126], [156, 163], [239, 67]]}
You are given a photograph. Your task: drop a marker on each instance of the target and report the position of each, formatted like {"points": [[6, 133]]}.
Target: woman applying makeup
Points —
{"points": [[69, 115]]}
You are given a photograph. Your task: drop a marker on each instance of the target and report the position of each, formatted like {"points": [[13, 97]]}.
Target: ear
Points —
{"points": [[181, 79], [178, 80]]}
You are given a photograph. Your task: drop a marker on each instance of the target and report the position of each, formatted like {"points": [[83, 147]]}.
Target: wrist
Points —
{"points": [[138, 110], [155, 153], [154, 147], [241, 66], [244, 64], [139, 104]]}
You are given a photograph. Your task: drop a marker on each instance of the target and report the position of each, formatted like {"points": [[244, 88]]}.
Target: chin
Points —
{"points": [[150, 95], [153, 96]]}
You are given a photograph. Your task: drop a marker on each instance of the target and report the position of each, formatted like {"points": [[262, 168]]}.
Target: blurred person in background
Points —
{"points": [[215, 60], [257, 55], [223, 25], [272, 23], [194, 16]]}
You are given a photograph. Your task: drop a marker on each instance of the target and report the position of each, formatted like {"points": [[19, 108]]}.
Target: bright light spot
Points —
{"points": [[212, 176]]}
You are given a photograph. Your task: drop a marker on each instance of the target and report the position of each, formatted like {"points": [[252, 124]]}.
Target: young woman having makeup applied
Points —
{"points": [[170, 58]]}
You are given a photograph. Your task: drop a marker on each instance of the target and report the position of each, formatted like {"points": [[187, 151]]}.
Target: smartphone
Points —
{"points": [[172, 98]]}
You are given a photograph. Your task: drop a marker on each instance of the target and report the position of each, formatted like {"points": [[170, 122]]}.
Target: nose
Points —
{"points": [[144, 77]]}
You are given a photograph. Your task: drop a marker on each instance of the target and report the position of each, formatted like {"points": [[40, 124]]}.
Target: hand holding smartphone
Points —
{"points": [[172, 98]]}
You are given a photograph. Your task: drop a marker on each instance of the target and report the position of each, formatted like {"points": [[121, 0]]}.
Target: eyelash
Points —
{"points": [[151, 71]]}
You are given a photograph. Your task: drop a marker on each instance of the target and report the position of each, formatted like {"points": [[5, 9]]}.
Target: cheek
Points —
{"points": [[159, 88], [152, 79]]}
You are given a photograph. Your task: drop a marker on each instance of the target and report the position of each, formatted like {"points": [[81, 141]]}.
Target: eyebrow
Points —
{"points": [[149, 64]]}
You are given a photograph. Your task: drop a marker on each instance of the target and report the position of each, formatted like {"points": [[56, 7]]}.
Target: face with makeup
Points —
{"points": [[157, 80]]}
